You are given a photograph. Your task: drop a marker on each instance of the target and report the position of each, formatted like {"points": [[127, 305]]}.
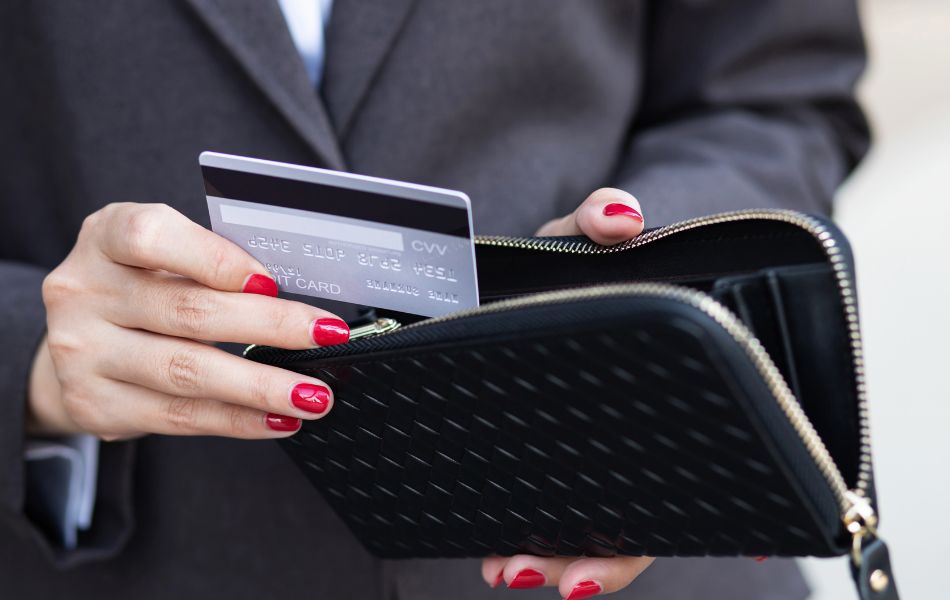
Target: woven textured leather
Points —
{"points": [[623, 425]]}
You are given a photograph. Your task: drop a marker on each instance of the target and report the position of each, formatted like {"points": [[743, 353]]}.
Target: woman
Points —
{"points": [[111, 283]]}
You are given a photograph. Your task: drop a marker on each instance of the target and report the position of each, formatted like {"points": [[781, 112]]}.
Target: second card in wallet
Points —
{"points": [[344, 237]]}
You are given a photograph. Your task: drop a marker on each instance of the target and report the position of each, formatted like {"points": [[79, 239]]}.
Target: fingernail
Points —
{"points": [[527, 578], [760, 558], [310, 397], [282, 423], [584, 589], [327, 332], [260, 284], [622, 209], [499, 579]]}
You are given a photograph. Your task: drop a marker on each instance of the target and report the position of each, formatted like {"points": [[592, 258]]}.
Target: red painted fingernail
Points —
{"points": [[622, 209], [310, 397], [499, 579], [282, 423], [527, 578], [260, 284], [584, 589], [761, 558], [327, 332]]}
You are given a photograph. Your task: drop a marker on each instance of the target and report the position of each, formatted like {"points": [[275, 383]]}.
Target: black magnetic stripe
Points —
{"points": [[332, 200]]}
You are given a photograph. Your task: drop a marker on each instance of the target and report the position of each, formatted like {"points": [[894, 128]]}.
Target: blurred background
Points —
{"points": [[896, 211]]}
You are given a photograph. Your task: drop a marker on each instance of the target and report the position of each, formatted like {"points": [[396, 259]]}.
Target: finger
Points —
{"points": [[609, 216], [190, 369], [176, 306], [158, 237], [134, 410], [493, 570], [524, 571], [565, 225], [588, 577]]}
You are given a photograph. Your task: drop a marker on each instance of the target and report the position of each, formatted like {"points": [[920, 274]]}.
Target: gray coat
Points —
{"points": [[527, 105]]}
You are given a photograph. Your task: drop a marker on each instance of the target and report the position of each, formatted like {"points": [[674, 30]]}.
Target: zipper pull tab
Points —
{"points": [[873, 576], [870, 559], [377, 327]]}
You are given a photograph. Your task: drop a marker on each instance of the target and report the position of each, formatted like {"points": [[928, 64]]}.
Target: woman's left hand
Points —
{"points": [[608, 216]]}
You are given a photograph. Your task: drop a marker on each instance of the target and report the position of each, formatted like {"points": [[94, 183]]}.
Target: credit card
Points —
{"points": [[344, 237]]}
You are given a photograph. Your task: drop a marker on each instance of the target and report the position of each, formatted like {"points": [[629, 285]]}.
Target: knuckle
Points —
{"points": [[59, 286], [190, 310], [220, 263], [110, 209], [286, 322], [105, 215], [260, 391], [83, 406], [183, 370], [236, 421], [142, 230], [63, 343], [82, 410], [91, 223], [181, 414]]}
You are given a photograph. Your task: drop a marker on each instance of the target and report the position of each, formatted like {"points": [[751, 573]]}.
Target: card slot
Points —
{"points": [[755, 300], [813, 311], [785, 333], [787, 309]]}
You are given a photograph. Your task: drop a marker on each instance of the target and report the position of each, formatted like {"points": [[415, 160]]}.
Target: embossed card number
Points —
{"points": [[345, 237]]}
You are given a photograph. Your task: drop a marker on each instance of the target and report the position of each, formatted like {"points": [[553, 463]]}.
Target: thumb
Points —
{"points": [[608, 216]]}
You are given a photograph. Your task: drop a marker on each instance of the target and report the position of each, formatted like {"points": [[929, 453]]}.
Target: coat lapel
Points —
{"points": [[360, 35], [255, 33]]}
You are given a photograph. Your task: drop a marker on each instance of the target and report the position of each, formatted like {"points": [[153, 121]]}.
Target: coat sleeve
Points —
{"points": [[746, 103], [22, 323], [22, 326]]}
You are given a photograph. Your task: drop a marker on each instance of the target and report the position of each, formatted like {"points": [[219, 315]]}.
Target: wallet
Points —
{"points": [[696, 391]]}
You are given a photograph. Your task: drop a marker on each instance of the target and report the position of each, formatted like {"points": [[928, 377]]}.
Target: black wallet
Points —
{"points": [[696, 391]]}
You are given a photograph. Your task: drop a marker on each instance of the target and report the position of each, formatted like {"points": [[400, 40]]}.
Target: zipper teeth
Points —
{"points": [[789, 404], [582, 246]]}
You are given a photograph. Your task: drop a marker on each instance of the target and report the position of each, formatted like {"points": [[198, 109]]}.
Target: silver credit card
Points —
{"points": [[344, 237]]}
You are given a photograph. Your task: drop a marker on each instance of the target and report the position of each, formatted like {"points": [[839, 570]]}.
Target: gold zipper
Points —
{"points": [[854, 503], [377, 327]]}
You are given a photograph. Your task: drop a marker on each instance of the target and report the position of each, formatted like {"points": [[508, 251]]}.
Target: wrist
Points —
{"points": [[45, 414]]}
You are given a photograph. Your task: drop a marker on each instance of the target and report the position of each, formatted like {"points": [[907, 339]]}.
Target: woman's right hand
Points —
{"points": [[128, 312]]}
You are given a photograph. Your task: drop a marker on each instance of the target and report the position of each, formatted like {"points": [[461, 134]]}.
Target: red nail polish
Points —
{"points": [[260, 284], [527, 578], [310, 397], [584, 589], [622, 209], [761, 558], [282, 423], [327, 332]]}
